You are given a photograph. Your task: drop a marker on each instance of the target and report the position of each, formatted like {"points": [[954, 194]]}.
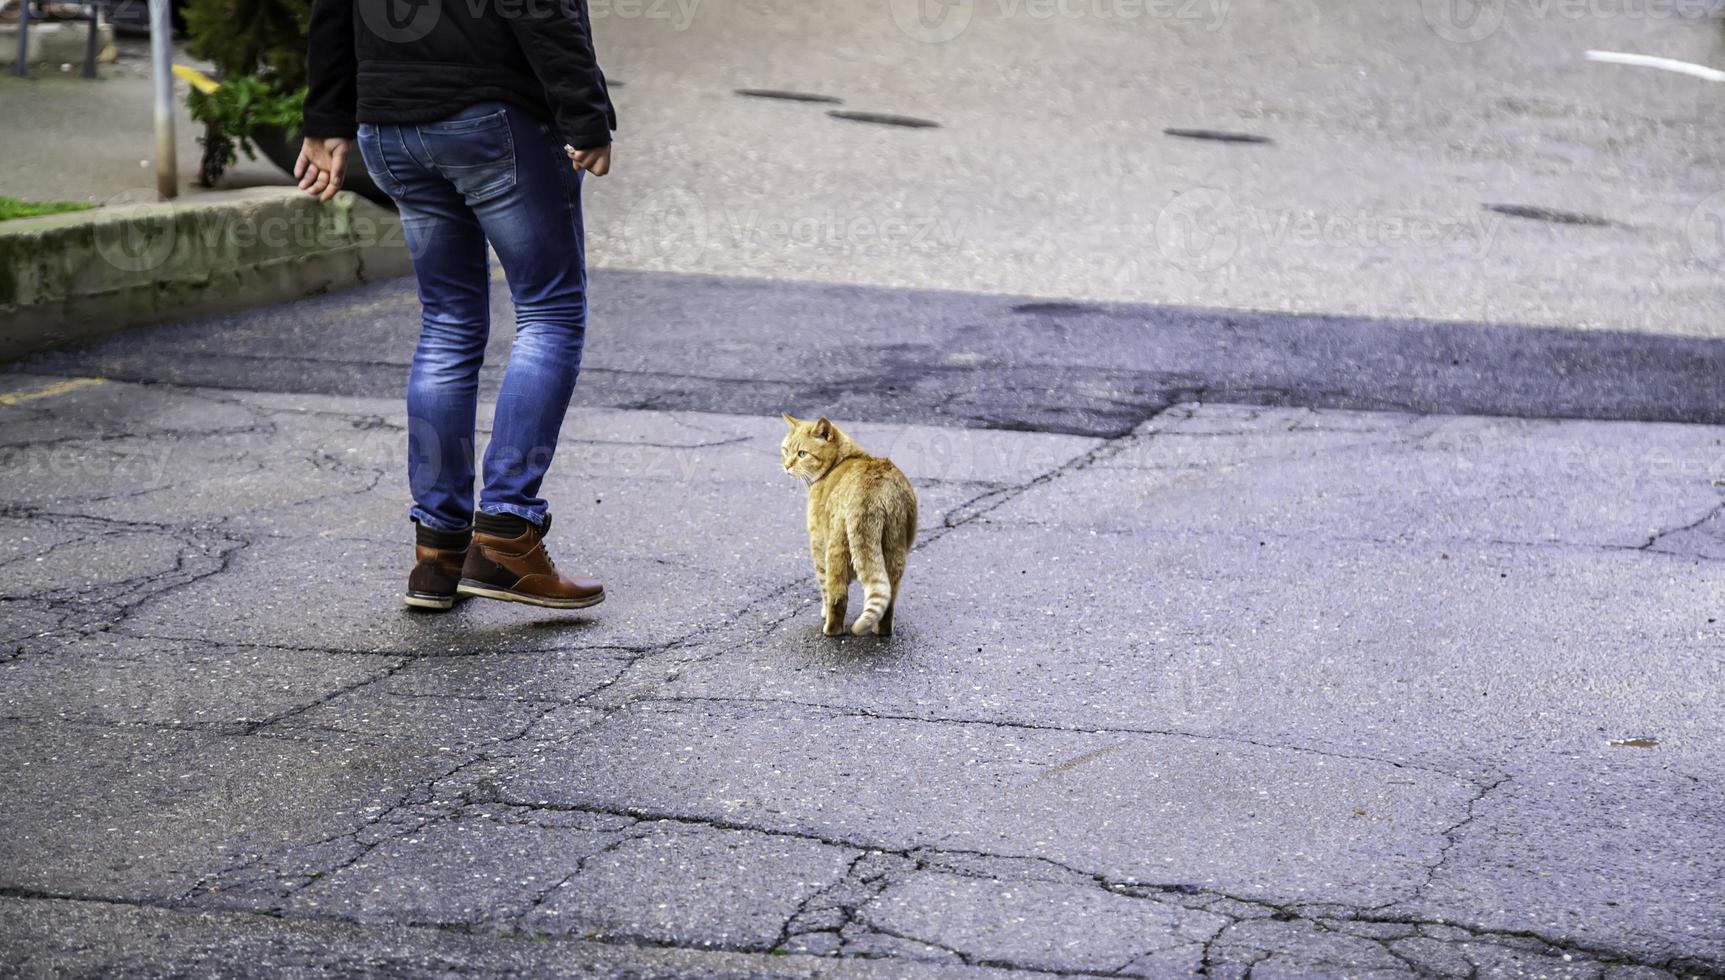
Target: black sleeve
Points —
{"points": [[331, 67], [558, 42]]}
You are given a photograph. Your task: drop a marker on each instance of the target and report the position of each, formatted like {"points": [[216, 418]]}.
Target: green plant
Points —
{"points": [[259, 50], [233, 112], [251, 37], [12, 207]]}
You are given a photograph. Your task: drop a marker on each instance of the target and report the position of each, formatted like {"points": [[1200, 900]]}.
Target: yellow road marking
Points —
{"points": [[48, 391], [196, 79]]}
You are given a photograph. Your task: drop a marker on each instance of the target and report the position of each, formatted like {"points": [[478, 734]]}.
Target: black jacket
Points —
{"points": [[407, 61]]}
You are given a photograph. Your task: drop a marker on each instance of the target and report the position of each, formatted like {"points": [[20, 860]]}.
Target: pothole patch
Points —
{"points": [[787, 95], [1552, 215], [1055, 308], [1217, 135], [884, 119]]}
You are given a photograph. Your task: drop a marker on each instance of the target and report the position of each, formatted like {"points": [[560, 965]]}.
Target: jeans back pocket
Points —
{"points": [[475, 153], [371, 153]]}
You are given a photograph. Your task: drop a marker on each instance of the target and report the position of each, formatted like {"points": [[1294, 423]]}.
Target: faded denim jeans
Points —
{"points": [[490, 173]]}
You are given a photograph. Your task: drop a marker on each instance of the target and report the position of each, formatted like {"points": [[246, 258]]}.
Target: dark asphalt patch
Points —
{"points": [[785, 95], [884, 119], [1217, 135], [758, 347], [1548, 214], [1055, 308]]}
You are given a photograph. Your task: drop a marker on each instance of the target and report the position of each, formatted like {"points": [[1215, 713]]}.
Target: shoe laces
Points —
{"points": [[544, 531]]}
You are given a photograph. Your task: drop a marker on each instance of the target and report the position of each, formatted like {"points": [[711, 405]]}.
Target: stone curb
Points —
{"points": [[82, 275]]}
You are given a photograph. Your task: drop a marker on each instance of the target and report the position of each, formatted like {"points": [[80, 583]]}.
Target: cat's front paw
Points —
{"points": [[833, 626]]}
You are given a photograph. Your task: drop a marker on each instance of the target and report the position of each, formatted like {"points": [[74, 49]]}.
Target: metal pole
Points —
{"points": [[90, 39], [161, 68], [21, 67]]}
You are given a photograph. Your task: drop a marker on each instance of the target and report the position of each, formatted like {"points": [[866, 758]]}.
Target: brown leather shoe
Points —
{"points": [[438, 558], [518, 570]]}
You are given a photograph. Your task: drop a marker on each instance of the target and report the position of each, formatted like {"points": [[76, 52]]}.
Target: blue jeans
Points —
{"points": [[489, 173]]}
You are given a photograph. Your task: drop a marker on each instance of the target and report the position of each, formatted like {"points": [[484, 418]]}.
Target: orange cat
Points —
{"points": [[862, 521]]}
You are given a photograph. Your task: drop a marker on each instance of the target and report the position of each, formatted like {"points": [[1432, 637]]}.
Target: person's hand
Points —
{"points": [[596, 161], [321, 165]]}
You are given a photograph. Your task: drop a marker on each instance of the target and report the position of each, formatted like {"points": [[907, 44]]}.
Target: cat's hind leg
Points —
{"points": [[895, 572], [835, 583]]}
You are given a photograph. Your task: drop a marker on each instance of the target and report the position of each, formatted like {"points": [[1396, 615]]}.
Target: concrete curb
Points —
{"points": [[77, 276], [57, 42]]}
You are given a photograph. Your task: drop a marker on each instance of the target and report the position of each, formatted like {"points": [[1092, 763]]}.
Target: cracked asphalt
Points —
{"points": [[1296, 609], [1268, 689]]}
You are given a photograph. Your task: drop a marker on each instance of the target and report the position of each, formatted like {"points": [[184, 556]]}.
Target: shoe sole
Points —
{"points": [[483, 591], [422, 600]]}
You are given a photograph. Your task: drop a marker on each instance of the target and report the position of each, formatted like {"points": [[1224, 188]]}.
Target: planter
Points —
{"points": [[282, 149]]}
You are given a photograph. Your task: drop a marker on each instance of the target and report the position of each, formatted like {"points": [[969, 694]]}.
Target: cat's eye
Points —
{"points": [[801, 453]]}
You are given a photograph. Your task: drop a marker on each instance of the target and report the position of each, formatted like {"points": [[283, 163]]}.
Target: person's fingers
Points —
{"points": [[596, 160], [308, 177], [338, 158], [299, 164]]}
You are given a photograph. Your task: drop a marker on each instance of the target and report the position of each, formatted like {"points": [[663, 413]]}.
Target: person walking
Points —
{"points": [[479, 119]]}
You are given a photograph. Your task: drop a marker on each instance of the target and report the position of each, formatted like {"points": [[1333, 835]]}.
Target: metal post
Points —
{"points": [[90, 39], [162, 71], [21, 67]]}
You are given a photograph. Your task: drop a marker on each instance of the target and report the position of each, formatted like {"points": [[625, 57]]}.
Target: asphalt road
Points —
{"points": [[1266, 690], [757, 347], [1391, 129], [1346, 608]]}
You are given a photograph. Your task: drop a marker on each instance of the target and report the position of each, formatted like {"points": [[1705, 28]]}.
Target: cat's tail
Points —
{"points": [[870, 560]]}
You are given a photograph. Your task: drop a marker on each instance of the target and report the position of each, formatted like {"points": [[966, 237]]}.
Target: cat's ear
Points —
{"points": [[791, 420], [823, 428]]}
